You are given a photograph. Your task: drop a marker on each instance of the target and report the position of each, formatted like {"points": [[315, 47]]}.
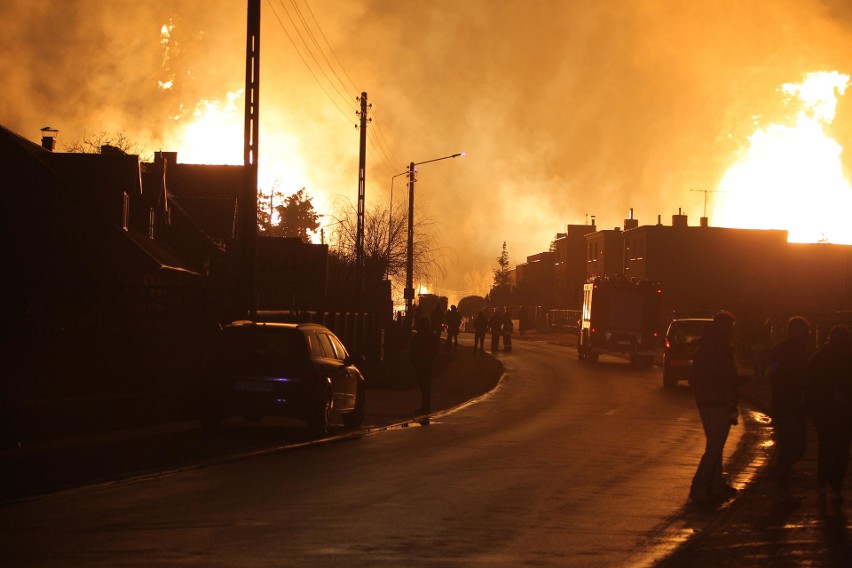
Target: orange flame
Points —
{"points": [[791, 176]]}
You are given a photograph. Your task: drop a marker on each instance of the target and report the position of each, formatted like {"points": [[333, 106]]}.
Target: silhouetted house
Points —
{"points": [[706, 268], [99, 279], [604, 253], [535, 280], [755, 273], [207, 194], [291, 275], [570, 265]]}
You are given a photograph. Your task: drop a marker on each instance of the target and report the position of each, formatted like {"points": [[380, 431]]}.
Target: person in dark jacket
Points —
{"points": [[508, 329], [496, 325], [715, 383], [788, 368], [453, 325], [480, 329], [422, 351], [828, 401]]}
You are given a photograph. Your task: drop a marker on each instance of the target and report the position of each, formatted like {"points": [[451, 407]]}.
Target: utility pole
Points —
{"points": [[362, 174], [408, 293], [247, 301]]}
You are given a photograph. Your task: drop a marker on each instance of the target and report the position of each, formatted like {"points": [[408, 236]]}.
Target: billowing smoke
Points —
{"points": [[565, 108]]}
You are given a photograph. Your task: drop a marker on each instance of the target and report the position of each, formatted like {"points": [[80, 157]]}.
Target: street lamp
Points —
{"points": [[409, 260]]}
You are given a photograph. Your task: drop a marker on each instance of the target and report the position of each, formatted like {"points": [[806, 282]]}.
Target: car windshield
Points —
{"points": [[686, 331], [258, 351]]}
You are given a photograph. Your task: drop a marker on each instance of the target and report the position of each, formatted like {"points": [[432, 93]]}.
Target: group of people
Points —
{"points": [[803, 386], [499, 324], [426, 341]]}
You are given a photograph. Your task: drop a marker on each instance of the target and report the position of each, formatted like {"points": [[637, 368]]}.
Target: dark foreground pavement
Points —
{"points": [[750, 530], [754, 530], [76, 442]]}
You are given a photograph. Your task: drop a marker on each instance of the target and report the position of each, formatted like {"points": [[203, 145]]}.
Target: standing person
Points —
{"points": [[522, 322], [496, 326], [715, 383], [788, 368], [422, 352], [828, 397], [437, 319], [480, 328], [453, 325], [508, 328]]}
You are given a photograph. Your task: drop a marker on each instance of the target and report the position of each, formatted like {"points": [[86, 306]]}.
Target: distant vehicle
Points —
{"points": [[679, 348], [265, 369], [620, 316]]}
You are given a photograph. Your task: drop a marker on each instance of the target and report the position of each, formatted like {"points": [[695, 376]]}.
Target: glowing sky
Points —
{"points": [[565, 108]]}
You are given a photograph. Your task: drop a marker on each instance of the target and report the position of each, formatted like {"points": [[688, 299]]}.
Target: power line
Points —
{"points": [[346, 96], [323, 65], [304, 61], [351, 82]]}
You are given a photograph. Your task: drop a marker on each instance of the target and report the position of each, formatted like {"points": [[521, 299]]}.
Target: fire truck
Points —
{"points": [[620, 316]]}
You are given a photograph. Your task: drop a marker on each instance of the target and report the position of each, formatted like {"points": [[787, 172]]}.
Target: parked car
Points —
{"points": [[679, 348], [297, 370]]}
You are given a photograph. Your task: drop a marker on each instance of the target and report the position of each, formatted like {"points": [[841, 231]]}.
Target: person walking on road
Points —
{"points": [[453, 325], [480, 329], [422, 351], [522, 322], [496, 325], [508, 328], [715, 383], [828, 401], [788, 368]]}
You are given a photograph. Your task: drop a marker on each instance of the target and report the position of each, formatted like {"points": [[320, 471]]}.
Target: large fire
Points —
{"points": [[791, 176], [210, 131]]}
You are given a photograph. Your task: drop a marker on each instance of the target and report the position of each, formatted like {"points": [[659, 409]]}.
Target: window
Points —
{"points": [[325, 341], [125, 211], [315, 345], [338, 348]]}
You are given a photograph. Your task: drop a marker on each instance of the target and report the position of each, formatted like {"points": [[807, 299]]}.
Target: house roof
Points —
{"points": [[49, 231]]}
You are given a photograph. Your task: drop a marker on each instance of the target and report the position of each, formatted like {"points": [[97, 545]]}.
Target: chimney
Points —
{"points": [[48, 138], [630, 222], [679, 220], [703, 221]]}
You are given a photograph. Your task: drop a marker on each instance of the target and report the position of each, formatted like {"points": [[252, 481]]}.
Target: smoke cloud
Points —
{"points": [[565, 109]]}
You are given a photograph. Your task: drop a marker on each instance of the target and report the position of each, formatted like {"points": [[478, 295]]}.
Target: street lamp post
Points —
{"points": [[409, 259]]}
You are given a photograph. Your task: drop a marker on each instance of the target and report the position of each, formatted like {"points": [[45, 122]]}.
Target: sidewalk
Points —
{"points": [[74, 442]]}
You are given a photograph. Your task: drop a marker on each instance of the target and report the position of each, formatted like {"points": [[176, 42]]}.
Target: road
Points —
{"points": [[565, 463]]}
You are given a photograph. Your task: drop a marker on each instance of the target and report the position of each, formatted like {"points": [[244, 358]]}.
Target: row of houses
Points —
{"points": [[116, 270], [756, 274]]}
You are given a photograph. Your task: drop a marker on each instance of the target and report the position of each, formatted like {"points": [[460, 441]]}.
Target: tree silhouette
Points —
{"points": [[296, 216], [386, 243], [501, 289]]}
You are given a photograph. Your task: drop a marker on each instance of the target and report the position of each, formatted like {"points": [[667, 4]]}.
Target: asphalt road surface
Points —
{"points": [[565, 463]]}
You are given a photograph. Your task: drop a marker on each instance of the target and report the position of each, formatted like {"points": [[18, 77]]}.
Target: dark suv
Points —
{"points": [[679, 349], [297, 370]]}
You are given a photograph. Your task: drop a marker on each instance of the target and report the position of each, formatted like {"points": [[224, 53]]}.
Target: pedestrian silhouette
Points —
{"points": [[788, 368], [508, 328], [437, 319], [480, 329], [496, 326], [453, 325], [422, 351], [522, 322], [715, 383], [828, 401]]}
